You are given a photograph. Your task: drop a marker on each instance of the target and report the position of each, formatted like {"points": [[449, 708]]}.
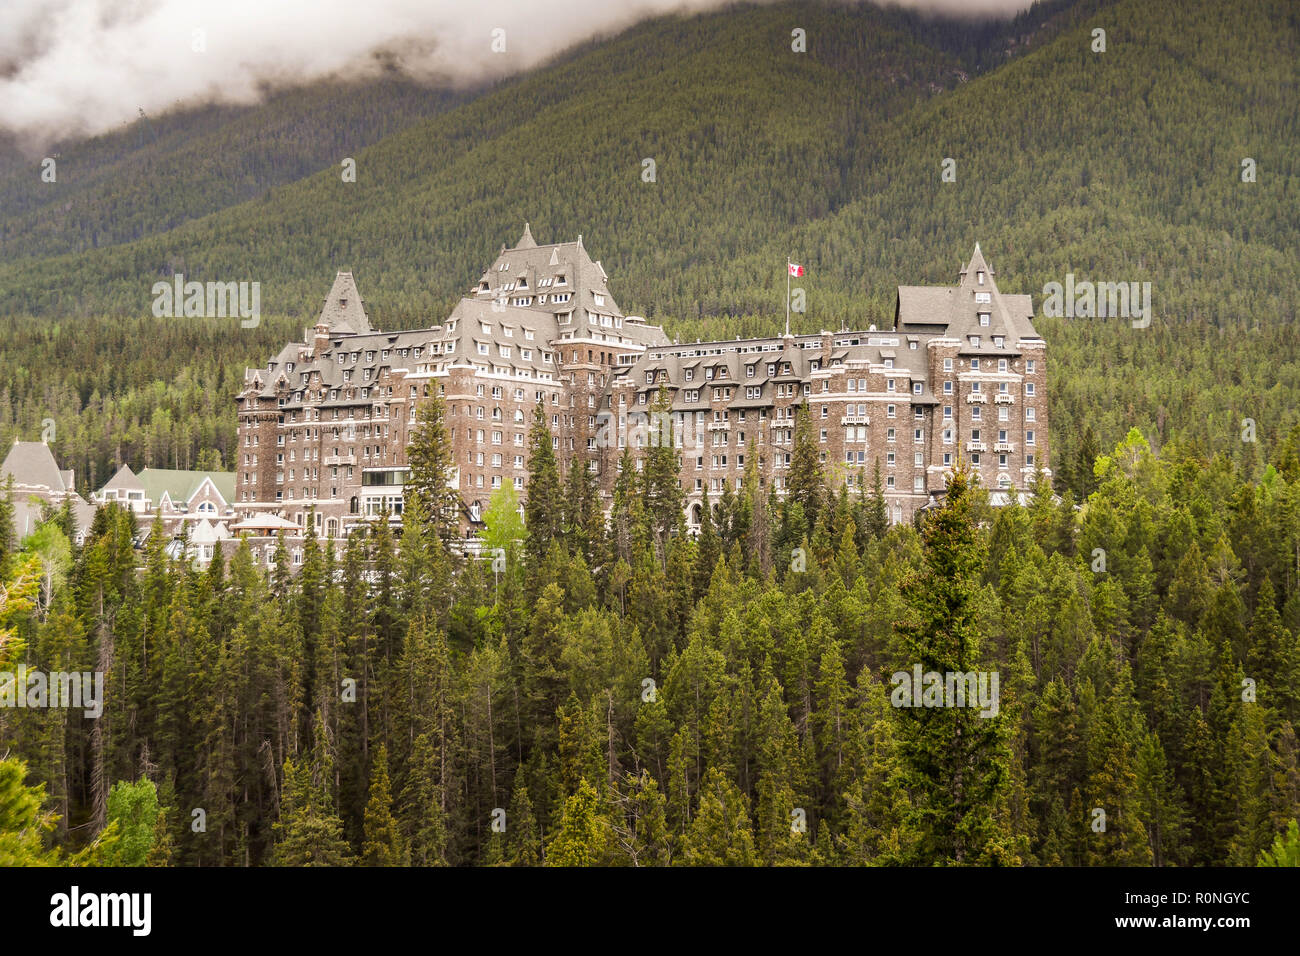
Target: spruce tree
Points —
{"points": [[584, 836], [544, 507], [806, 482], [709, 547], [384, 845], [523, 840], [661, 477], [877, 512], [721, 833], [7, 542], [954, 761], [432, 463]]}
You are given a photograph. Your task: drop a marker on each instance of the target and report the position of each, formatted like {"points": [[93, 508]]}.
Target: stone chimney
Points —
{"points": [[320, 339]]}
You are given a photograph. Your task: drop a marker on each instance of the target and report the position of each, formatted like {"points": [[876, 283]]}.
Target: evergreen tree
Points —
{"points": [[524, 841], [806, 483], [384, 845], [954, 761], [721, 833], [7, 542], [431, 462], [877, 512], [544, 508], [1285, 850], [310, 832], [662, 476], [584, 835]]}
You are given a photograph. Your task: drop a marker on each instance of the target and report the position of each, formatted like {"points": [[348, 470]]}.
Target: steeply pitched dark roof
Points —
{"points": [[344, 311], [955, 311]]}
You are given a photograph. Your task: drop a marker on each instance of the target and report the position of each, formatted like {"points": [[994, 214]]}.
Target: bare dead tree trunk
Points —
{"points": [[99, 781]]}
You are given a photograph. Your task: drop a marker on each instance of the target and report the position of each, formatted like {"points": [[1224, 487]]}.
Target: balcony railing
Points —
{"points": [[1004, 446], [977, 398], [340, 460], [1004, 398], [976, 446]]}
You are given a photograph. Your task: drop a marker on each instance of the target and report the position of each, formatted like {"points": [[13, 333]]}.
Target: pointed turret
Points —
{"points": [[344, 311], [977, 268], [526, 241]]}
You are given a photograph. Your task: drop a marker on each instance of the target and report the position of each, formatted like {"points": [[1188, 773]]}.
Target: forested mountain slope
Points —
{"points": [[1116, 166], [162, 171], [749, 139]]}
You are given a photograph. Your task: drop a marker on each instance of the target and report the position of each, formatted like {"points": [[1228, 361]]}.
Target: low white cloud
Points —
{"points": [[73, 67]]}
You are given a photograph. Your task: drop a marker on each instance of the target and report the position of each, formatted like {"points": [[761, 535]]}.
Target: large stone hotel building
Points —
{"points": [[324, 425]]}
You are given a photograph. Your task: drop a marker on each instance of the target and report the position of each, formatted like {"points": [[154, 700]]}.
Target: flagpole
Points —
{"points": [[787, 296]]}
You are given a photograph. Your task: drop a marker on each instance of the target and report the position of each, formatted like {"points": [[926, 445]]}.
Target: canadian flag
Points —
{"points": [[795, 270]]}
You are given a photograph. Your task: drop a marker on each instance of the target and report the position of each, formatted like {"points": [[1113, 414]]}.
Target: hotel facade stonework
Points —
{"points": [[324, 425]]}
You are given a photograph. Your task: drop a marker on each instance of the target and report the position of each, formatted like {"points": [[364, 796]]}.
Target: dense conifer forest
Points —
{"points": [[627, 694]]}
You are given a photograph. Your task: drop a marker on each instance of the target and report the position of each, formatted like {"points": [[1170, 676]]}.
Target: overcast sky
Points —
{"points": [[84, 66]]}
